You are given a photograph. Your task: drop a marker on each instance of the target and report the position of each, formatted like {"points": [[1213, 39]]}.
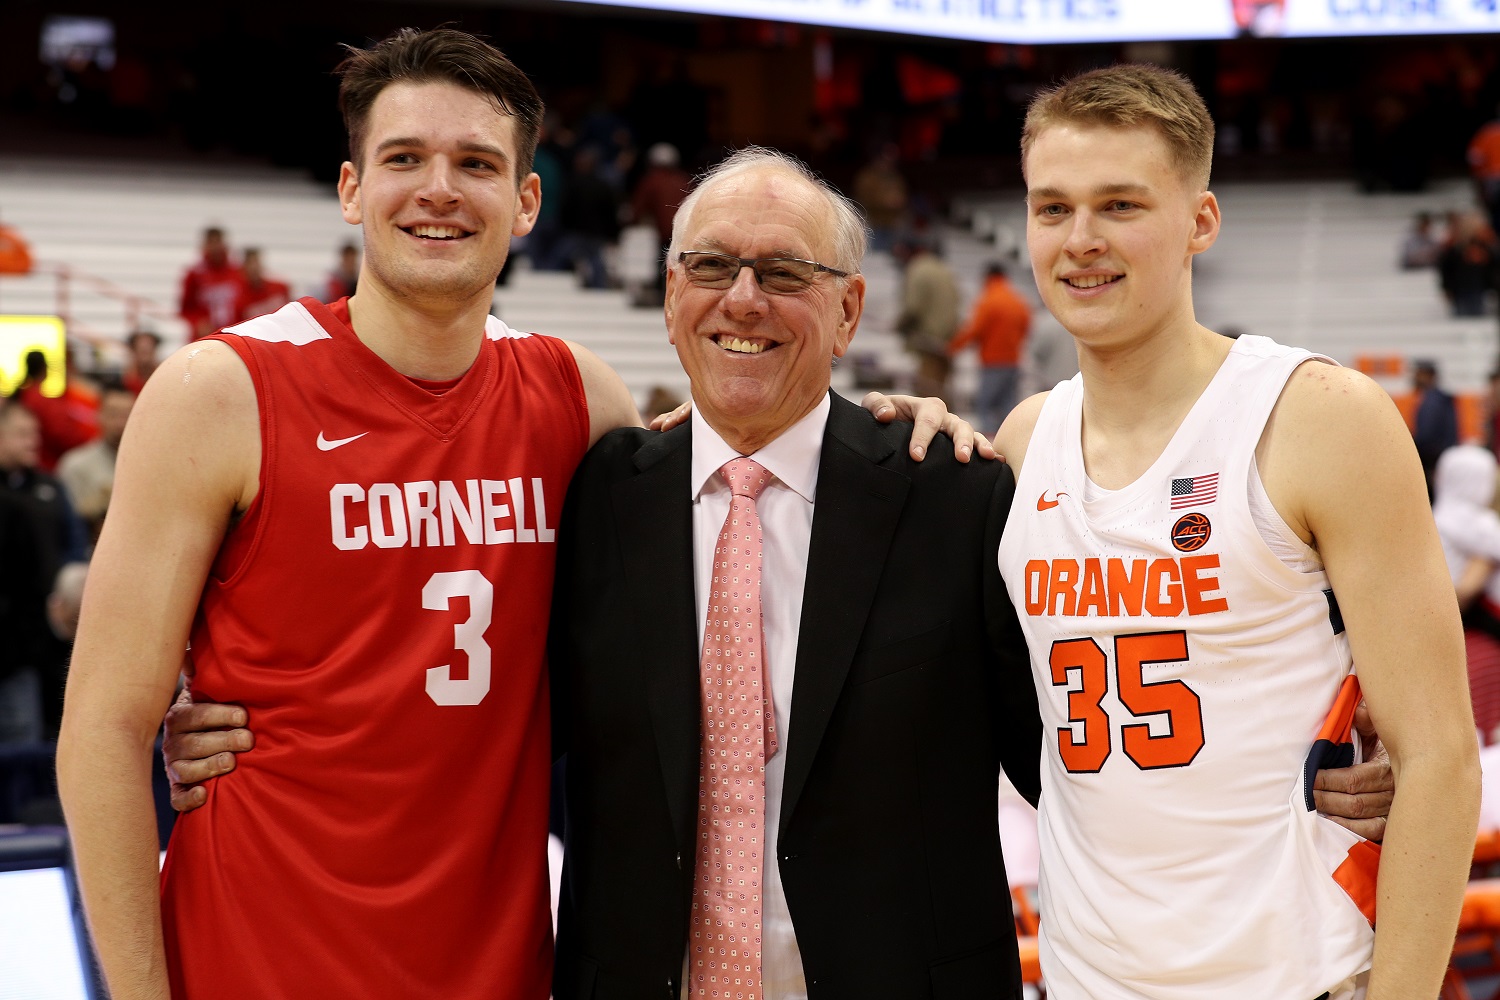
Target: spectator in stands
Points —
{"points": [[1469, 528], [656, 197], [590, 217], [1492, 414], [1420, 247], [66, 600], [41, 534], [88, 471], [1435, 427], [929, 312], [67, 420], [259, 294], [210, 288], [998, 324], [882, 192], [15, 252], [142, 345], [343, 279], [1484, 166], [546, 244], [1466, 266]]}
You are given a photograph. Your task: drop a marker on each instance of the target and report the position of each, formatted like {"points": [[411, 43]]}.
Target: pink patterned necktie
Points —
{"points": [[739, 736]]}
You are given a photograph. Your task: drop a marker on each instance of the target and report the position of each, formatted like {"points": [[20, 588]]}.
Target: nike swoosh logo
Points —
{"points": [[1042, 503], [326, 445]]}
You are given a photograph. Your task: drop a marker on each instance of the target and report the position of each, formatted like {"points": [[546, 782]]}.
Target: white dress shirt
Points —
{"points": [[786, 515]]}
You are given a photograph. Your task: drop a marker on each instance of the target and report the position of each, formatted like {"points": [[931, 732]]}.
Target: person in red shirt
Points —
{"points": [[999, 324], [142, 345], [211, 288], [259, 294], [15, 254], [67, 420]]}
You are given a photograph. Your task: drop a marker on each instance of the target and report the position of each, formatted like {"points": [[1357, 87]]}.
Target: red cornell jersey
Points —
{"points": [[381, 611]]}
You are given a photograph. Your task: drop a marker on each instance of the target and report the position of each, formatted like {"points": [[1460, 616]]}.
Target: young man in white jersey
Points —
{"points": [[1186, 508]]}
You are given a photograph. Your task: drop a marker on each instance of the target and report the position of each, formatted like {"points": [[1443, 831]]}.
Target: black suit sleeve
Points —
{"points": [[1020, 737]]}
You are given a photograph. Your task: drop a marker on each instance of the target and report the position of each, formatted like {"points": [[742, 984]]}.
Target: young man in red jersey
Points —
{"points": [[349, 510]]}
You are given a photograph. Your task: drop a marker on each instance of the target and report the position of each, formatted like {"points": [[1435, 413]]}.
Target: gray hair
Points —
{"points": [[850, 234]]}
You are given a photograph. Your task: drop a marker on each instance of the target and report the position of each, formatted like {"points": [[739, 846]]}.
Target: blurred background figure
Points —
{"points": [[1466, 266], [210, 288], [65, 421], [657, 194], [1420, 247], [141, 359], [1484, 165], [88, 471], [929, 312], [65, 601], [661, 400], [590, 217], [1469, 528], [882, 192], [344, 277], [999, 322], [15, 252], [259, 294], [1435, 426], [544, 245], [41, 534]]}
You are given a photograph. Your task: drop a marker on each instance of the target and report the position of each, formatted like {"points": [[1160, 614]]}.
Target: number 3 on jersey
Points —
{"points": [[468, 636], [1174, 699]]}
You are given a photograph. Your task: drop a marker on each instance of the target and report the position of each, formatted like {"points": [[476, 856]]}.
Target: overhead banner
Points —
{"points": [[1046, 21]]}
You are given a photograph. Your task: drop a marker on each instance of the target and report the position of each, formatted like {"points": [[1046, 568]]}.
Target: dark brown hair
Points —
{"points": [[442, 55]]}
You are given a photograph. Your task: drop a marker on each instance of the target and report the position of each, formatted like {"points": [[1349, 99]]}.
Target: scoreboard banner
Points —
{"points": [[1044, 21]]}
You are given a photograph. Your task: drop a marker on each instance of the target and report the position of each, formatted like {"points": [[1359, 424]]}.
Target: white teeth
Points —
{"points": [[1092, 281], [740, 346], [437, 232]]}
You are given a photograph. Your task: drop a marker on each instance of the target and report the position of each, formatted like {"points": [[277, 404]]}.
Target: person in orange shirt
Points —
{"points": [[1484, 164], [15, 254], [999, 324]]}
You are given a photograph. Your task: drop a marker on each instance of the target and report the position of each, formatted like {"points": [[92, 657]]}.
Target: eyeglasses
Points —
{"points": [[780, 275]]}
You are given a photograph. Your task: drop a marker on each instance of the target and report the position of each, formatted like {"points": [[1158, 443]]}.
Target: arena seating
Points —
{"points": [[1309, 263]]}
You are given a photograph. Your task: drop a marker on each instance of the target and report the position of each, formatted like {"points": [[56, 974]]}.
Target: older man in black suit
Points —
{"points": [[898, 681]]}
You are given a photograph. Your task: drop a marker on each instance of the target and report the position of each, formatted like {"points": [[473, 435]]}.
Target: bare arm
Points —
{"points": [[189, 461], [610, 405], [1370, 520]]}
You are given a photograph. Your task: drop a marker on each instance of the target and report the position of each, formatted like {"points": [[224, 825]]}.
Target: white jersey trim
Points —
{"points": [[291, 324]]}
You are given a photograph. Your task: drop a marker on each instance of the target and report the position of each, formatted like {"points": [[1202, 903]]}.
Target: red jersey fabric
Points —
{"points": [[381, 610], [999, 322]]}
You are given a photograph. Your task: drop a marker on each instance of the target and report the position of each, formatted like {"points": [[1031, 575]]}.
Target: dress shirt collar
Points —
{"points": [[792, 457]]}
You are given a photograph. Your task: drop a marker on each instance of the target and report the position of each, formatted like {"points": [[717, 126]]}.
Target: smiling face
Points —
{"points": [[437, 193], [1112, 227], [759, 361]]}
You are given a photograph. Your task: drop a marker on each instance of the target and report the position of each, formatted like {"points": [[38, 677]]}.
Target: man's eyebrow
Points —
{"points": [[718, 246], [1102, 191], [466, 147]]}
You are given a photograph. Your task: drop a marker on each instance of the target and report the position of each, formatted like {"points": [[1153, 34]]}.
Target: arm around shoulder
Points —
{"points": [[610, 405], [189, 461], [1339, 463]]}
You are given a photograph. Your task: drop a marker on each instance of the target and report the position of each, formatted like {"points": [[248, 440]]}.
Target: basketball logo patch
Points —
{"points": [[1191, 532]]}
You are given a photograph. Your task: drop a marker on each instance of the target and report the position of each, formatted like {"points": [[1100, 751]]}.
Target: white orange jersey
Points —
{"points": [[1184, 672]]}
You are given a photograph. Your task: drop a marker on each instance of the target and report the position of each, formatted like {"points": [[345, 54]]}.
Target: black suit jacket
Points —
{"points": [[912, 688]]}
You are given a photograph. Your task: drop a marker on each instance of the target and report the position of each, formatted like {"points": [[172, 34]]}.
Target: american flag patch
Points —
{"points": [[1195, 491]]}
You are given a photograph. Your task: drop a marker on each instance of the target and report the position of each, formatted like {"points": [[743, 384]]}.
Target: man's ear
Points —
{"points": [[853, 306], [670, 308], [349, 203], [1205, 223], [528, 204]]}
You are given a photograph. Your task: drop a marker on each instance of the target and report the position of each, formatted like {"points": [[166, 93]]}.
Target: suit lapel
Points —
{"points": [[859, 503], [653, 512]]}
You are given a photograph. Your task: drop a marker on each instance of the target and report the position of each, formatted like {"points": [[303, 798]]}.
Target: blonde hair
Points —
{"points": [[1131, 95]]}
